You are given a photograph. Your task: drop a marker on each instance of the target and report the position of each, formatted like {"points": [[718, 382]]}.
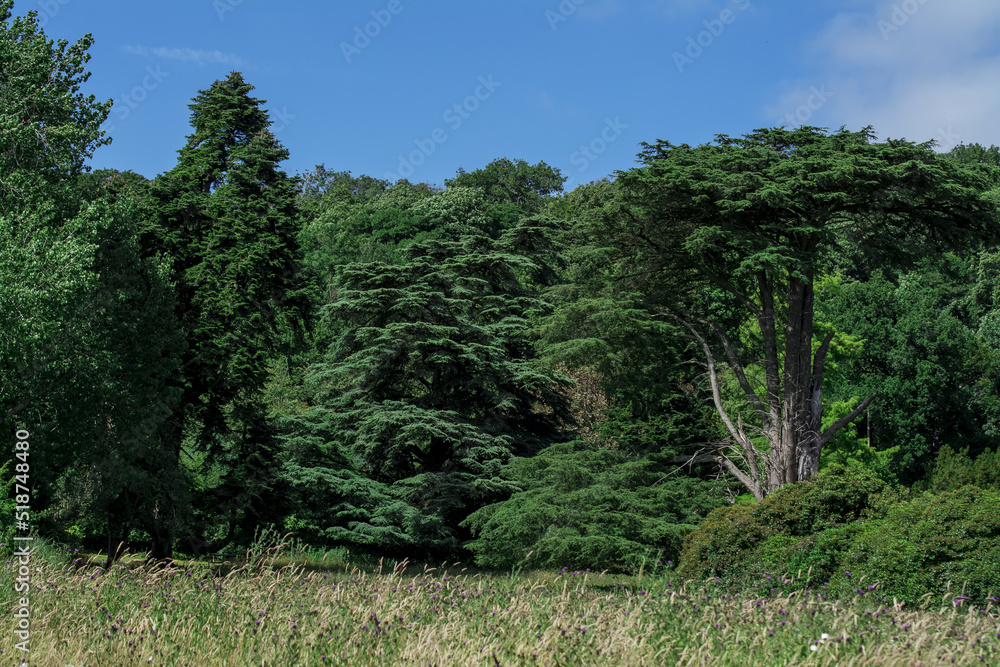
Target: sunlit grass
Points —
{"points": [[259, 614]]}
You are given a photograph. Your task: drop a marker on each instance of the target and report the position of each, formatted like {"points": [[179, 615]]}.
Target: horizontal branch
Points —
{"points": [[751, 484], [844, 421], [697, 458]]}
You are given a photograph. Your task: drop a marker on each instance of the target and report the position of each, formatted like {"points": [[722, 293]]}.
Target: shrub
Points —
{"points": [[930, 542], [908, 546], [820, 555], [723, 542], [953, 470], [730, 542]]}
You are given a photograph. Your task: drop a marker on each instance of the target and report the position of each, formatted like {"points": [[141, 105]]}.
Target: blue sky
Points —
{"points": [[418, 88]]}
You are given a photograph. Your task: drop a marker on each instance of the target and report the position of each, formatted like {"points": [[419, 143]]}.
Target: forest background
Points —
{"points": [[768, 350]]}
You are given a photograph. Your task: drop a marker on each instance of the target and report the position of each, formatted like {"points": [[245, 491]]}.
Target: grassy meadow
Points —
{"points": [[271, 610]]}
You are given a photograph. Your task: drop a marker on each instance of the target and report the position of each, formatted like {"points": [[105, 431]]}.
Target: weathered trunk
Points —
{"points": [[798, 380], [791, 413]]}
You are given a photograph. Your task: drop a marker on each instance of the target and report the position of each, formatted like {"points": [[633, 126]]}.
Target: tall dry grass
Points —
{"points": [[261, 613]]}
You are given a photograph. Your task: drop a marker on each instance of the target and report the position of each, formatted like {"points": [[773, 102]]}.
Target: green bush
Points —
{"points": [[742, 540], [723, 542], [953, 470], [932, 543], [820, 555], [845, 527]]}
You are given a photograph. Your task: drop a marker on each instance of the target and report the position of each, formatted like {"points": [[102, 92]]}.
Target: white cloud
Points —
{"points": [[919, 69], [200, 56]]}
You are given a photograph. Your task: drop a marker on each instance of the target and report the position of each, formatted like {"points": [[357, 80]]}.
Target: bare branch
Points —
{"points": [[696, 458], [733, 361], [751, 484], [740, 438], [713, 377], [741, 377], [844, 421]]}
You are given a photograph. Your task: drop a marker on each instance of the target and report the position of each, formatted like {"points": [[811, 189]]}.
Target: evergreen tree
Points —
{"points": [[227, 217], [741, 229], [582, 507], [431, 388], [514, 183]]}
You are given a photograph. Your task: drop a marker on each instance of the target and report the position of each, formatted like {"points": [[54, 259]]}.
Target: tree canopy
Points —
{"points": [[495, 369], [745, 225]]}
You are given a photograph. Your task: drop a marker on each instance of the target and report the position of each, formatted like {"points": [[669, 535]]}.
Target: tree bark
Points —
{"points": [[791, 416]]}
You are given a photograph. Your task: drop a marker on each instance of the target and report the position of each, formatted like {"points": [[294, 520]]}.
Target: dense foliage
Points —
{"points": [[751, 222], [738, 540], [226, 217], [845, 529], [498, 370], [431, 385], [584, 507]]}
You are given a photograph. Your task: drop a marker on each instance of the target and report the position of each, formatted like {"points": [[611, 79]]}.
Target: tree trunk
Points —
{"points": [[791, 413], [118, 528], [160, 548]]}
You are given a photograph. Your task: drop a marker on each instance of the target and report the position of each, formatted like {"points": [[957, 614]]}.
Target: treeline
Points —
{"points": [[496, 369]]}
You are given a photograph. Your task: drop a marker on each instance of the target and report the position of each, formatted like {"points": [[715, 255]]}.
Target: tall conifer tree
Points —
{"points": [[227, 217]]}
